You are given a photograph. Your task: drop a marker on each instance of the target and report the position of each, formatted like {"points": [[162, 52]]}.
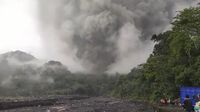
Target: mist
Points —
{"points": [[104, 36]]}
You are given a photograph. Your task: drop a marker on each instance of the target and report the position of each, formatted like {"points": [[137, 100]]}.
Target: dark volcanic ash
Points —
{"points": [[104, 35]]}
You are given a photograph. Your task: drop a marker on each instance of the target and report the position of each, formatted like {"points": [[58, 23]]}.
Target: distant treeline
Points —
{"points": [[59, 82], [21, 74]]}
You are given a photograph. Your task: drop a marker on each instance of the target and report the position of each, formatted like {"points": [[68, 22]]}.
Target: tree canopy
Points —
{"points": [[175, 61]]}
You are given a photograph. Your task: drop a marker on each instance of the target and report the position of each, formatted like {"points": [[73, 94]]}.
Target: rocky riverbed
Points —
{"points": [[73, 104]]}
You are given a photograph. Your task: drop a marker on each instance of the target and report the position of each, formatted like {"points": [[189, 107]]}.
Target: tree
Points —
{"points": [[175, 61]]}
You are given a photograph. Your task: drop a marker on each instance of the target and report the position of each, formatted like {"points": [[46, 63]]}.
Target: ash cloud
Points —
{"points": [[104, 35]]}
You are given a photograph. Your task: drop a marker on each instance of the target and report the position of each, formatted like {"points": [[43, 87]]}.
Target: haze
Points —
{"points": [[18, 26]]}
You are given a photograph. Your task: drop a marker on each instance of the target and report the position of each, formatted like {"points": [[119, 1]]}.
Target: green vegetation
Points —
{"points": [[24, 75], [175, 62], [63, 82]]}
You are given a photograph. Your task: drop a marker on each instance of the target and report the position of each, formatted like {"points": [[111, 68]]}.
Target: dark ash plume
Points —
{"points": [[104, 34]]}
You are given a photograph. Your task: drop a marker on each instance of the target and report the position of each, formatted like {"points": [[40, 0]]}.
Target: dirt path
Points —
{"points": [[86, 104]]}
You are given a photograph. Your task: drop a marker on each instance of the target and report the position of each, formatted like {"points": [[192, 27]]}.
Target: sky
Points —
{"points": [[19, 27]]}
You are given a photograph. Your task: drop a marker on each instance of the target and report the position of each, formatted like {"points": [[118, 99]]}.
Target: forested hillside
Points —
{"points": [[175, 62], [21, 74]]}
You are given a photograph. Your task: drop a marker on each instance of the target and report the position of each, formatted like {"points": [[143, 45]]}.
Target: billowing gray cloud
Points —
{"points": [[104, 35]]}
